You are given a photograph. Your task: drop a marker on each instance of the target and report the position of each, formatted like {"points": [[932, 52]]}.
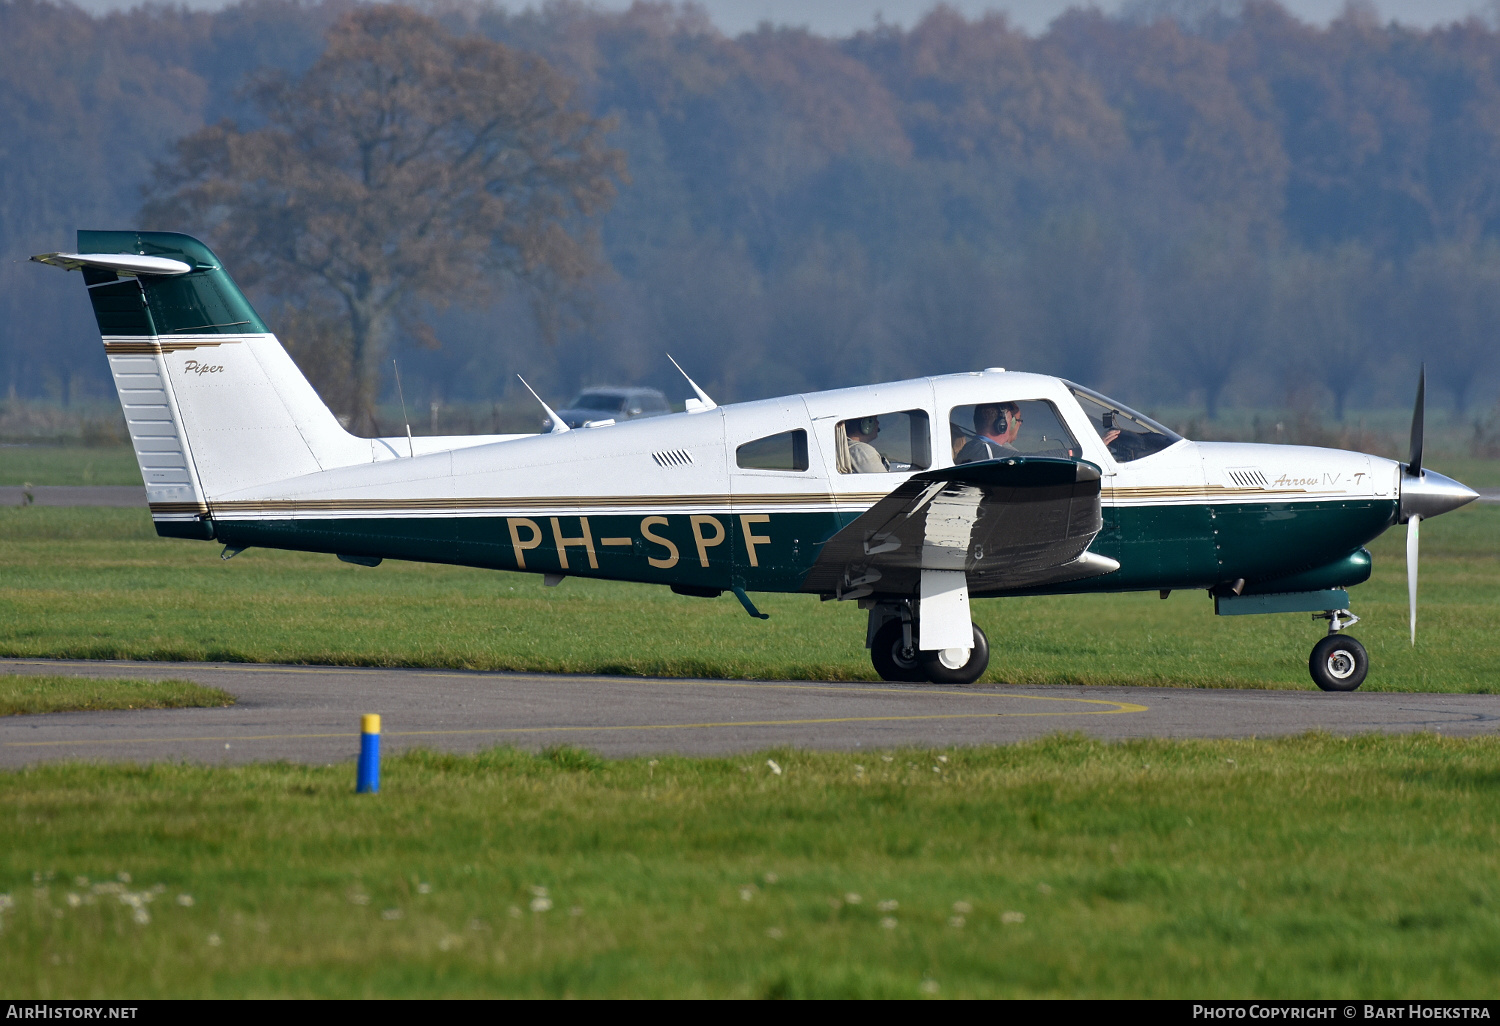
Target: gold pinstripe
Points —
{"points": [[566, 504], [1178, 494], [151, 346], [629, 504]]}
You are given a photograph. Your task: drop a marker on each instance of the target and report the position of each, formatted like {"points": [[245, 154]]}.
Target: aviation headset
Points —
{"points": [[1002, 419], [863, 425]]}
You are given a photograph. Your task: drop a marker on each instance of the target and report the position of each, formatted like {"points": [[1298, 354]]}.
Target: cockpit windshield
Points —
{"points": [[1128, 435]]}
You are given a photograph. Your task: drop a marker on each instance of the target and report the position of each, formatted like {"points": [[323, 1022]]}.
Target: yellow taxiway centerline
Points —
{"points": [[519, 675], [1119, 707]]}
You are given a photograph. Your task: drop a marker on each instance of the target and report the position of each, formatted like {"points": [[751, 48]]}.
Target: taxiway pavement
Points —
{"points": [[310, 714]]}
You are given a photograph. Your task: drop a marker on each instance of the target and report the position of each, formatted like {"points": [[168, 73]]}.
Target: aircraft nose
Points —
{"points": [[1430, 494]]}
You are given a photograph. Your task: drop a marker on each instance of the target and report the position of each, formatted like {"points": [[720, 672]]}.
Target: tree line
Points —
{"points": [[1197, 204]]}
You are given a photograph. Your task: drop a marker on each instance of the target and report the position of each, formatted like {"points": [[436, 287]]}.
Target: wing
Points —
{"points": [[1011, 523]]}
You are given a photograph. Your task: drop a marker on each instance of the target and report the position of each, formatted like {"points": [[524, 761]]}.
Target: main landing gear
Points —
{"points": [[1338, 662], [895, 650]]}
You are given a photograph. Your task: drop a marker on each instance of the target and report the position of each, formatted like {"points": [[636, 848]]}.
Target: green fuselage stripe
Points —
{"points": [[1167, 546]]}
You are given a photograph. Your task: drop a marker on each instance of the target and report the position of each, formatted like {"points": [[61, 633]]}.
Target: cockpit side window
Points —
{"points": [[992, 431], [1127, 434], [883, 443]]}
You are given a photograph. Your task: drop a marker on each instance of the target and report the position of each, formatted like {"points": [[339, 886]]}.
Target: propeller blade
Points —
{"points": [[1418, 415], [1413, 532]]}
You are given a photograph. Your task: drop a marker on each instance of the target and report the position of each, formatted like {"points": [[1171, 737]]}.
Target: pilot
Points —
{"points": [[1111, 432], [864, 458], [996, 426]]}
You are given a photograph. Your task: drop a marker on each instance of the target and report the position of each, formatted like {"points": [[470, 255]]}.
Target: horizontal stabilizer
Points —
{"points": [[120, 263]]}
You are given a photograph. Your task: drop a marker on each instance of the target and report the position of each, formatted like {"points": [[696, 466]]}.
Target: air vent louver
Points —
{"points": [[673, 458]]}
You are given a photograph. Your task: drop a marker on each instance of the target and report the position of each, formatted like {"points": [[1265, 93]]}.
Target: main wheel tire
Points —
{"points": [[937, 670], [1338, 663], [890, 656]]}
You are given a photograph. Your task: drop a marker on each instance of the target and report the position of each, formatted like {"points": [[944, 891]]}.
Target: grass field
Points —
{"points": [[1303, 867], [68, 465], [1475, 473], [1308, 867], [97, 583], [21, 694]]}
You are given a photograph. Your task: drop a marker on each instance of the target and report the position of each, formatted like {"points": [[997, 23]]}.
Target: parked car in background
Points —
{"points": [[604, 403]]}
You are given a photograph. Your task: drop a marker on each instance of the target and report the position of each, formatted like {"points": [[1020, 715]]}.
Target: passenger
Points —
{"points": [[997, 425], [959, 439], [864, 458]]}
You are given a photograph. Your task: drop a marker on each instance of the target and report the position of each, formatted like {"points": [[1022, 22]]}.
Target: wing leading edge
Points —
{"points": [[1006, 524]]}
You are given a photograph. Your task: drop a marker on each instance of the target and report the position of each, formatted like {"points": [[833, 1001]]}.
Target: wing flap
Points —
{"points": [[1006, 524]]}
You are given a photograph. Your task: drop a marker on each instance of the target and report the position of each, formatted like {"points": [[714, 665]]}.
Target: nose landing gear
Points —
{"points": [[1338, 662], [895, 652]]}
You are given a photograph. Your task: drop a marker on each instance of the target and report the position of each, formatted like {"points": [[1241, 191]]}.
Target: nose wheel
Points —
{"points": [[1338, 662]]}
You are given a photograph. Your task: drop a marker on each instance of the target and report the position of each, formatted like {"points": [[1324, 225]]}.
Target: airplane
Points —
{"points": [[911, 498]]}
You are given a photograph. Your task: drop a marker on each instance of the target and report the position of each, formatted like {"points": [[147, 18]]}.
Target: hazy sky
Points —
{"points": [[840, 17]]}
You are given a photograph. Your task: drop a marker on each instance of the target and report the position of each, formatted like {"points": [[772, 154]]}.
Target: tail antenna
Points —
{"points": [[703, 402], [411, 447], [558, 427]]}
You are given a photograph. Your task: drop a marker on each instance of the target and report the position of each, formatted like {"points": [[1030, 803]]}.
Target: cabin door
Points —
{"points": [[780, 508]]}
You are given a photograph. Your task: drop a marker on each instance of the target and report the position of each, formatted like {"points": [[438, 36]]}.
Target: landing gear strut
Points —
{"points": [[1338, 662], [895, 650]]}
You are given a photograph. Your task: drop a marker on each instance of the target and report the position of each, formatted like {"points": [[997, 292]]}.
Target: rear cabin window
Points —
{"points": [[884, 443], [786, 451], [993, 431]]}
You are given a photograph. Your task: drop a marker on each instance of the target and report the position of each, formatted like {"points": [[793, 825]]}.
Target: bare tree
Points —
{"points": [[1210, 302], [1080, 292], [1332, 314], [952, 308], [1453, 316], [406, 166]]}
